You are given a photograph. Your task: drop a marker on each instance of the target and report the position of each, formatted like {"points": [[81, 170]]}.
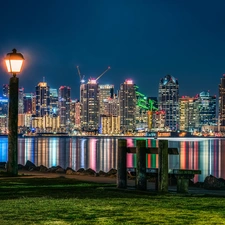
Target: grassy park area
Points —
{"points": [[68, 201]]}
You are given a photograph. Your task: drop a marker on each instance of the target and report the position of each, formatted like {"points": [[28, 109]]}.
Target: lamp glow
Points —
{"points": [[14, 62]]}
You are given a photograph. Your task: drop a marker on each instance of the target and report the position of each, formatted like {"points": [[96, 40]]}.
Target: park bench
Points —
{"points": [[182, 175]]}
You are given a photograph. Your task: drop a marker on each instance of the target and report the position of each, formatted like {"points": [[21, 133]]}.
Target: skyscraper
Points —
{"points": [[53, 95], [64, 105], [207, 109], [222, 101], [20, 101], [142, 109], [188, 113], [127, 101], [42, 99], [168, 100], [105, 92], [5, 90], [89, 100], [27, 102]]}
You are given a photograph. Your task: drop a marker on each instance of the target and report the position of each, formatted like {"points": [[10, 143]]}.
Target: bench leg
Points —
{"points": [[182, 185]]}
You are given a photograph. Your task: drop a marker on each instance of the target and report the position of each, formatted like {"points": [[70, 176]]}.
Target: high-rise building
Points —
{"points": [[53, 95], [3, 106], [27, 102], [109, 124], [207, 109], [158, 120], [34, 105], [72, 112], [111, 106], [89, 100], [168, 101], [5, 90], [77, 115], [20, 101], [42, 99], [222, 101], [64, 105], [188, 113], [3, 115], [127, 100], [142, 109], [105, 92]]}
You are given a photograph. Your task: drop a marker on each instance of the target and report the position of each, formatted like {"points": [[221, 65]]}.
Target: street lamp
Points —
{"points": [[14, 62]]}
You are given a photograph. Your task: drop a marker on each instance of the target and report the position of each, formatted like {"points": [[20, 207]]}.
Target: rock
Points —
{"points": [[112, 172], [199, 184], [52, 169], [21, 167], [29, 165], [90, 172], [113, 175], [70, 171], [60, 170], [214, 183], [43, 168], [102, 173], [80, 170]]}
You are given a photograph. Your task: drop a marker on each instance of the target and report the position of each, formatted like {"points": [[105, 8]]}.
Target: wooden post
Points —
{"points": [[12, 165], [163, 166], [122, 164], [141, 181], [182, 184]]}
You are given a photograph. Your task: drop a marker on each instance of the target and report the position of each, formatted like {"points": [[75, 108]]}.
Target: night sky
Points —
{"points": [[142, 40]]}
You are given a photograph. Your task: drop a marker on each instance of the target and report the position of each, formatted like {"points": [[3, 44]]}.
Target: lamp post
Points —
{"points": [[14, 62]]}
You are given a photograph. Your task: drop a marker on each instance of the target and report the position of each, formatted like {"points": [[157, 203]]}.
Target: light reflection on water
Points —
{"points": [[208, 155]]}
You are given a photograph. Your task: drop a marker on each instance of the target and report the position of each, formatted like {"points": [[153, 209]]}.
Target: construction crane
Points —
{"points": [[103, 73], [81, 77], [93, 80]]}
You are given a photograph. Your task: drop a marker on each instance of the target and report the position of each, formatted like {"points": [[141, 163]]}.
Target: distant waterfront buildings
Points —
{"points": [[196, 112], [100, 110], [168, 97]]}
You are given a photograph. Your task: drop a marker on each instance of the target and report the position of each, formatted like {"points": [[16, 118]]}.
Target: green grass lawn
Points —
{"points": [[67, 201]]}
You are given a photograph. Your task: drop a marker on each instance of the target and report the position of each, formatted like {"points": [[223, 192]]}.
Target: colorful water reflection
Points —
{"points": [[100, 153]]}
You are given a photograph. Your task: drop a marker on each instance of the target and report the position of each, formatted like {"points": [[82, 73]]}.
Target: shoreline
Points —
{"points": [[111, 136]]}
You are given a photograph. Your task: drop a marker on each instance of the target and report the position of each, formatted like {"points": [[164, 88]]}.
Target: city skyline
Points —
{"points": [[141, 40]]}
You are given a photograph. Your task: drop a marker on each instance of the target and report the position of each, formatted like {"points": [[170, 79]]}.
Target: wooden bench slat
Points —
{"points": [[184, 171]]}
